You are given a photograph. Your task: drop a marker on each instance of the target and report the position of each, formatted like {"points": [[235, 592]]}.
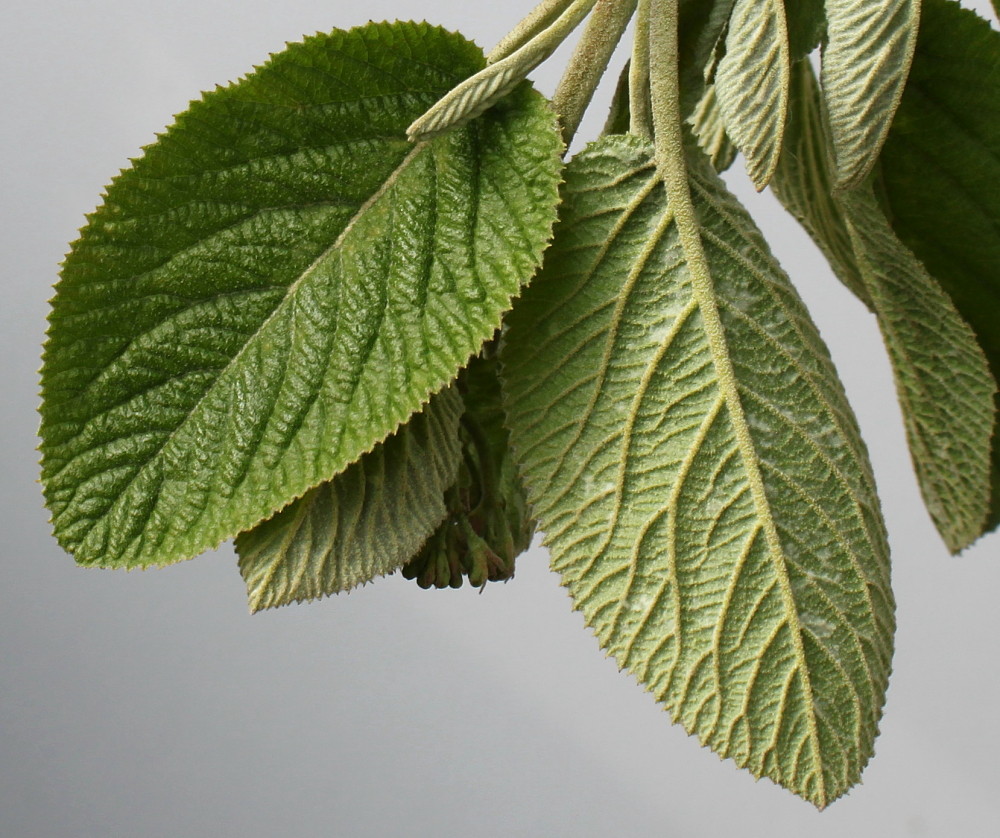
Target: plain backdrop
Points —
{"points": [[150, 704]]}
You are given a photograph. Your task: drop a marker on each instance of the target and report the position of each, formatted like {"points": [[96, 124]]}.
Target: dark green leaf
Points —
{"points": [[806, 26], [941, 172], [277, 284]]}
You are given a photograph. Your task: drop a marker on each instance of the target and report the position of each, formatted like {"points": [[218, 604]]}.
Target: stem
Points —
{"points": [[590, 59], [540, 18], [640, 108], [665, 101]]}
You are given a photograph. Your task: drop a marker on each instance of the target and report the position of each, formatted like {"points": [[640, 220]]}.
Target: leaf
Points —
{"points": [[806, 26], [940, 173], [752, 84], [865, 64], [692, 460], [942, 378], [277, 284], [702, 30], [365, 522], [803, 181], [488, 523], [619, 113], [710, 131]]}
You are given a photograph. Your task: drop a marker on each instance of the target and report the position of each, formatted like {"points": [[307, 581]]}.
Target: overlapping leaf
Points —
{"points": [[865, 65], [367, 521], [752, 84], [803, 180], [806, 26], [941, 173], [699, 476], [277, 284], [942, 378], [709, 130]]}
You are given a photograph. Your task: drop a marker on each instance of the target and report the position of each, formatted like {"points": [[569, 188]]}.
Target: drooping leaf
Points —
{"points": [[619, 114], [278, 283], [702, 30], [806, 26], [803, 180], [488, 524], [752, 84], [940, 173], [699, 476], [944, 383], [709, 130], [367, 521], [865, 65]]}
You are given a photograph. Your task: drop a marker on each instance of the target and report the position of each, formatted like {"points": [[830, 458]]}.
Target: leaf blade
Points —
{"points": [[864, 70], [281, 273], [365, 522], [622, 469]]}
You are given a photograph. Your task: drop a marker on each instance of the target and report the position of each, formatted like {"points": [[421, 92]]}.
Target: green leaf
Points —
{"points": [[702, 30], [365, 522], [944, 383], [941, 173], [803, 181], [709, 130], [752, 84], [865, 64], [619, 113], [699, 476], [277, 284], [806, 26], [488, 524]]}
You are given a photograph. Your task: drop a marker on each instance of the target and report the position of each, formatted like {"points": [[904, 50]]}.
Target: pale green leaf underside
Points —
{"points": [[709, 130], [731, 556], [277, 284], [366, 522], [803, 181], [944, 383], [865, 64], [752, 84]]}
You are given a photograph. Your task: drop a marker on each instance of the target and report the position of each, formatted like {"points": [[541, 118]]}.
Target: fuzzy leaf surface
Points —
{"points": [[941, 173], [752, 84], [803, 181], [865, 65], [278, 283], [943, 381], [367, 521], [709, 130], [703, 488]]}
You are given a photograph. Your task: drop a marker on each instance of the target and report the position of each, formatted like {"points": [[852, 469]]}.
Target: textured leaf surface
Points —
{"points": [[944, 383], [709, 130], [865, 64], [699, 476], [752, 84], [941, 173], [366, 522], [277, 284], [803, 180]]}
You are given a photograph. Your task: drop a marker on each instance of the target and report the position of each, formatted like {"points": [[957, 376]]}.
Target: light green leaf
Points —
{"points": [[277, 284], [710, 131], [699, 476], [940, 173], [366, 522], [803, 181], [752, 84], [865, 64], [944, 383], [488, 524]]}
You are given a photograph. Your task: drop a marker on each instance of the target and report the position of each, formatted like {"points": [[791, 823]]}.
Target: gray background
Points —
{"points": [[150, 704]]}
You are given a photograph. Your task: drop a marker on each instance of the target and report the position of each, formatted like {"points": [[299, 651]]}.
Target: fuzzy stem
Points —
{"points": [[640, 109], [597, 44]]}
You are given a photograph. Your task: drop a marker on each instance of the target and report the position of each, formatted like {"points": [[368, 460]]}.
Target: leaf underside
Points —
{"points": [[365, 522], [277, 284], [940, 174], [709, 130], [752, 84], [719, 530], [865, 65]]}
